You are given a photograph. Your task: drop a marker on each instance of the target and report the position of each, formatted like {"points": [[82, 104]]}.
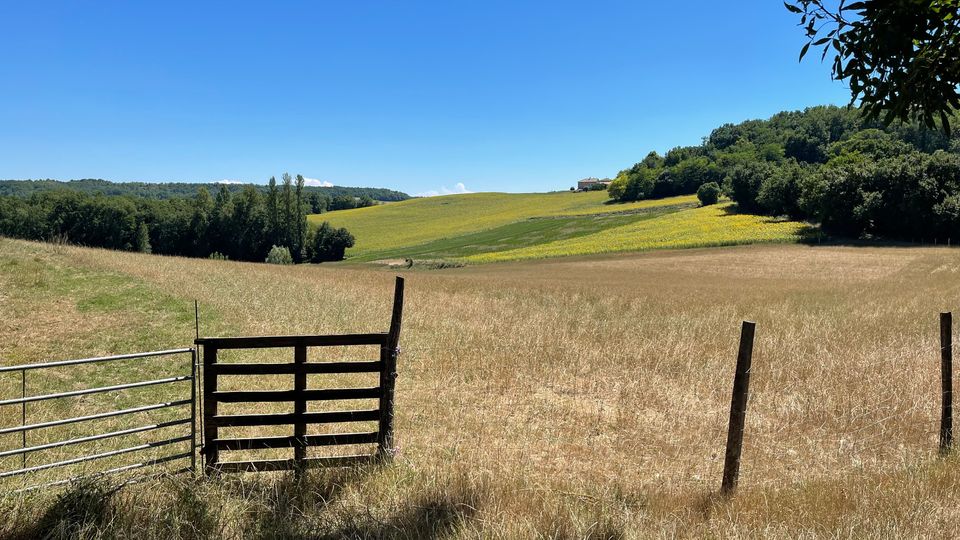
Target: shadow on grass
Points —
{"points": [[813, 235], [309, 507], [285, 503], [433, 516], [80, 511]]}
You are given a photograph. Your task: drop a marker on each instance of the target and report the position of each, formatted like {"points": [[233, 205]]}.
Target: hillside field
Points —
{"points": [[563, 398], [488, 227]]}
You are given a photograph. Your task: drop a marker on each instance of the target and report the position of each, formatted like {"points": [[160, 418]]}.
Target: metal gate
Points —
{"points": [[187, 419]]}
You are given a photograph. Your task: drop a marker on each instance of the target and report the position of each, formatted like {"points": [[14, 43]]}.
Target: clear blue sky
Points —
{"points": [[416, 96]]}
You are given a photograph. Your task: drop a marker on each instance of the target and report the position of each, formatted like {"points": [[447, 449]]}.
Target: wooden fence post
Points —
{"points": [[210, 453], [946, 381], [738, 409], [388, 374], [299, 409]]}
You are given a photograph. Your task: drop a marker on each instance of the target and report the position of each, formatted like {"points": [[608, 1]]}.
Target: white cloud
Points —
{"points": [[228, 181], [444, 190], [315, 182]]}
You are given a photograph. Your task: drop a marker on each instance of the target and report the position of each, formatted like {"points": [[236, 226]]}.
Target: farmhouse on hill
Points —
{"points": [[589, 184]]}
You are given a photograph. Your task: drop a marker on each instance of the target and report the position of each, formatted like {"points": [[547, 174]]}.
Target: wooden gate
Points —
{"points": [[299, 396]]}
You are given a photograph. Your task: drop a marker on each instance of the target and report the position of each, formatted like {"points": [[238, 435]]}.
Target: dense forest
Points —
{"points": [[855, 177], [242, 225], [171, 190]]}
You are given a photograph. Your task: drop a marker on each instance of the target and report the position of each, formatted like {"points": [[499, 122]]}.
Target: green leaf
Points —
{"points": [[792, 8]]}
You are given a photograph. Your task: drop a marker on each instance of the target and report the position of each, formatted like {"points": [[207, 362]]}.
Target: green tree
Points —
{"points": [[899, 57], [219, 233], [273, 211], [249, 225], [779, 193], [743, 184], [142, 241], [287, 207], [329, 244], [618, 187], [873, 143], [200, 223], [343, 202], [318, 203], [299, 241], [691, 173]]}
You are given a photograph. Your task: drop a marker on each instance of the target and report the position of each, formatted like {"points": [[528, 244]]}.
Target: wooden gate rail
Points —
{"points": [[213, 443]]}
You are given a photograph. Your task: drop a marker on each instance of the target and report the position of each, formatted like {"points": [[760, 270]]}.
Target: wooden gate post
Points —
{"points": [[300, 409], [388, 374], [210, 453], [738, 409], [946, 381]]}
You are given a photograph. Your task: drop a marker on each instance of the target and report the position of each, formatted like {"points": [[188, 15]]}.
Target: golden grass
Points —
{"points": [[418, 221], [583, 398], [708, 226]]}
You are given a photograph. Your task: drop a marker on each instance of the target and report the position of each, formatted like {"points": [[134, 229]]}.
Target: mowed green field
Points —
{"points": [[493, 227]]}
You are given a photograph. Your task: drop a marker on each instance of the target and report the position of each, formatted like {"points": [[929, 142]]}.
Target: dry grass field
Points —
{"points": [[568, 398]]}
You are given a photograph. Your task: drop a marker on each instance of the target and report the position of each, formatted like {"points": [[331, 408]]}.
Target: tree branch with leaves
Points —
{"points": [[900, 58]]}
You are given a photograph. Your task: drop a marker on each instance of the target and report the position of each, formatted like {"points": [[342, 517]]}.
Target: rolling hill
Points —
{"points": [[493, 227]]}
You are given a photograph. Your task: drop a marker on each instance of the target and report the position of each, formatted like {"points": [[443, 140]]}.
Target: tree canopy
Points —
{"points": [[900, 58], [854, 176], [239, 226], [169, 190]]}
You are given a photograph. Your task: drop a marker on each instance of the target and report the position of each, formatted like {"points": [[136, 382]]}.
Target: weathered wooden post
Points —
{"points": [[388, 374], [299, 409], [946, 381], [210, 453], [738, 409]]}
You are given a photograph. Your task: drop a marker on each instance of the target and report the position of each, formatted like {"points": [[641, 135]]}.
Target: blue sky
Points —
{"points": [[416, 96]]}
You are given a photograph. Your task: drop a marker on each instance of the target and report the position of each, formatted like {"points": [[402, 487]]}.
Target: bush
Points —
{"points": [[708, 193], [217, 256], [279, 255]]}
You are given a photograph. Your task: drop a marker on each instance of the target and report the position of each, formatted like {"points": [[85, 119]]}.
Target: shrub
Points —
{"points": [[708, 193], [217, 256], [279, 255]]}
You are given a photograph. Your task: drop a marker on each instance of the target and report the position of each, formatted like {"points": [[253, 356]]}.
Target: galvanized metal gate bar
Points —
{"points": [[24, 427]]}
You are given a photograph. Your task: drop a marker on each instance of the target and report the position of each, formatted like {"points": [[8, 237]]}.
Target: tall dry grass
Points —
{"points": [[588, 398]]}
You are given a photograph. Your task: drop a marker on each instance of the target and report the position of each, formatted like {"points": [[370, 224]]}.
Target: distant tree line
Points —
{"points": [[172, 190], [856, 177], [240, 226]]}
